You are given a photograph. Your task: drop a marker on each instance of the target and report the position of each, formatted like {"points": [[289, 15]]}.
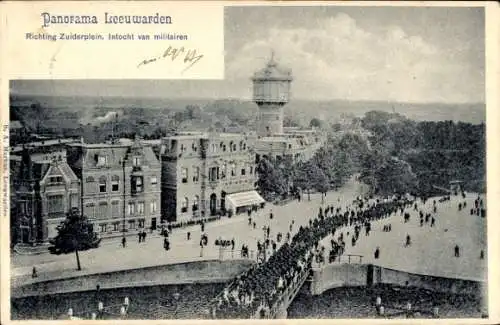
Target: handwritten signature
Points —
{"points": [[191, 57]]}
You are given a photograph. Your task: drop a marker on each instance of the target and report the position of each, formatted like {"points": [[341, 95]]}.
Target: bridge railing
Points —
{"points": [[288, 295]]}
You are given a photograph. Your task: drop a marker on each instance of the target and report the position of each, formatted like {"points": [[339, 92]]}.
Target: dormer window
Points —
{"points": [[102, 161], [137, 161]]}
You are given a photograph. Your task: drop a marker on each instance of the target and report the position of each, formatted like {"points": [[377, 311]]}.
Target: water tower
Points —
{"points": [[271, 91]]}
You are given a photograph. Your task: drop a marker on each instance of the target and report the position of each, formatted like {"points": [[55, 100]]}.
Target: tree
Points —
{"points": [[270, 180], [308, 175], [315, 122], [74, 234]]}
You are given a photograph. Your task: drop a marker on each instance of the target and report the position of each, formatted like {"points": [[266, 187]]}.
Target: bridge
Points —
{"points": [[278, 308]]}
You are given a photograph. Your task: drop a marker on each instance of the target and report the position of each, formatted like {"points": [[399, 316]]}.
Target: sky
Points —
{"points": [[403, 54]]}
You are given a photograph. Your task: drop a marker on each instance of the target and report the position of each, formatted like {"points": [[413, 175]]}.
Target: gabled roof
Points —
{"points": [[60, 168]]}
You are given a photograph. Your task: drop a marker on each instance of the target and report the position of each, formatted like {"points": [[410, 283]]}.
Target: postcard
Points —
{"points": [[293, 161]]}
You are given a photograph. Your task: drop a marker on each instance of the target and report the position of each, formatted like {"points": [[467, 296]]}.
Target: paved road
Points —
{"points": [[432, 249], [111, 256]]}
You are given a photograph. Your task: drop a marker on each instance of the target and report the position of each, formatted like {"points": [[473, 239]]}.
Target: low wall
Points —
{"points": [[434, 283], [192, 272], [339, 275]]}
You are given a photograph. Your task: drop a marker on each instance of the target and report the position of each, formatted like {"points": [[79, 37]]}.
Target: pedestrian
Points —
{"points": [[188, 235], [254, 225], [34, 274], [433, 221], [232, 244], [144, 234], [457, 251], [139, 234], [271, 215], [408, 241], [202, 226], [377, 253], [124, 241], [481, 256], [201, 247]]}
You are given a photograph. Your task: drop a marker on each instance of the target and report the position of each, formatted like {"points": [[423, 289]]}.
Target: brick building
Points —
{"points": [[207, 174], [43, 188], [120, 185]]}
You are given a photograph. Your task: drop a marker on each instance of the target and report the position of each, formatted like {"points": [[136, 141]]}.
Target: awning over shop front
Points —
{"points": [[243, 199]]}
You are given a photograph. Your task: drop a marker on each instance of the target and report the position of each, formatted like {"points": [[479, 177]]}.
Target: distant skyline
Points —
{"points": [[397, 54]]}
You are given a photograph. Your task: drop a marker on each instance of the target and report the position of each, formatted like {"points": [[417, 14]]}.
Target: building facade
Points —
{"points": [[207, 174], [43, 189], [120, 186]]}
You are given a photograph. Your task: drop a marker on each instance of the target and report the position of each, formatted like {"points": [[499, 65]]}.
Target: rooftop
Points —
{"points": [[273, 71]]}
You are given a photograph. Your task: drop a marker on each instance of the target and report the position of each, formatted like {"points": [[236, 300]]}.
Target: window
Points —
{"points": [[196, 202], [137, 161], [137, 185], [102, 161], [103, 210], [90, 210], [193, 146], [213, 174], [131, 224], [141, 223], [131, 208], [104, 227], [154, 181], [241, 145], [185, 204], [223, 171], [153, 207], [102, 184], [233, 169], [140, 208], [55, 204], [184, 175], [74, 201], [56, 180], [116, 226], [231, 146], [115, 183], [243, 170], [234, 146], [115, 209], [251, 170], [90, 185], [196, 175]]}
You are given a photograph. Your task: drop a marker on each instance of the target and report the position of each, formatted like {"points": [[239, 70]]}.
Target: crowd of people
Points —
{"points": [[256, 292]]}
